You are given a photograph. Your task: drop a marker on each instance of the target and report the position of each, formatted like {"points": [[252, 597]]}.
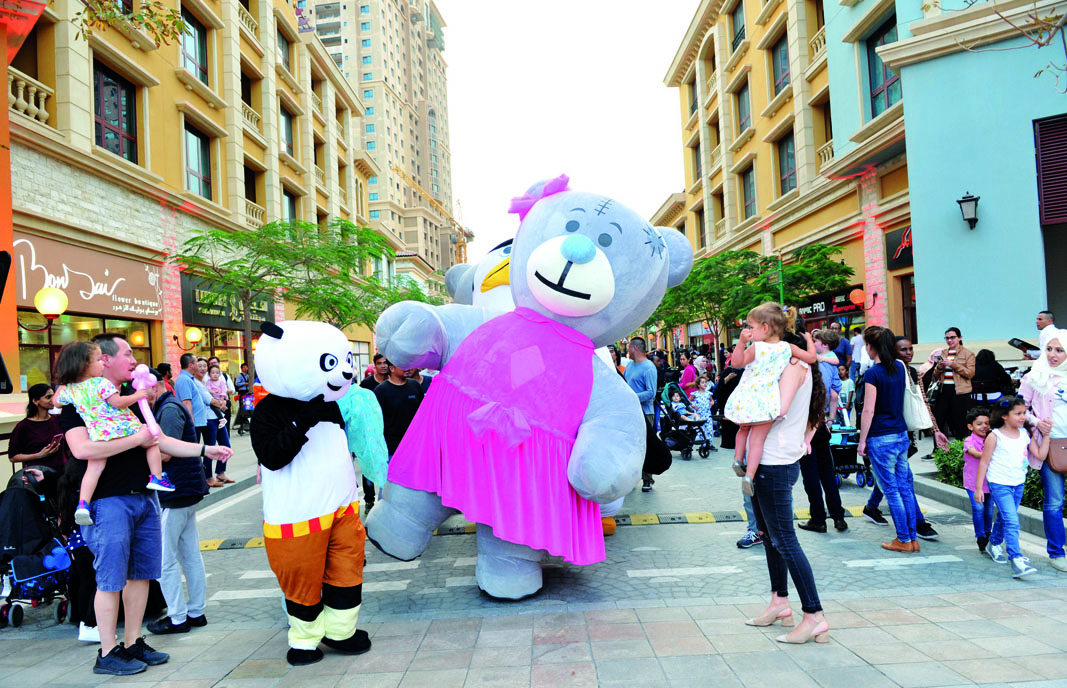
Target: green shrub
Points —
{"points": [[950, 464], [950, 471]]}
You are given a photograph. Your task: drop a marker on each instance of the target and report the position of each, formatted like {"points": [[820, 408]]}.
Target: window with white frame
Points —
{"points": [[194, 47], [748, 192], [885, 84], [780, 63], [197, 161]]}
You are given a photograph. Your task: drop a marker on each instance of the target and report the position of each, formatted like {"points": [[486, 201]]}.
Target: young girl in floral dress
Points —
{"points": [[757, 401], [107, 416]]}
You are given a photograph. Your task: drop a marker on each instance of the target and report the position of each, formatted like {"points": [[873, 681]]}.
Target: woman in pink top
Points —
{"points": [[689, 374], [1044, 389]]}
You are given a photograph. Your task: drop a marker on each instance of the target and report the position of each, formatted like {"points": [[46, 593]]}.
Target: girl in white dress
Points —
{"points": [[758, 400]]}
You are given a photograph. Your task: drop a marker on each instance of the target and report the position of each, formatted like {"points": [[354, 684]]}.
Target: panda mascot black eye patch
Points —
{"points": [[311, 526]]}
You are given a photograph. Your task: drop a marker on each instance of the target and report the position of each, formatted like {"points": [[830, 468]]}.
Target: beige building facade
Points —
{"points": [[120, 149], [392, 52]]}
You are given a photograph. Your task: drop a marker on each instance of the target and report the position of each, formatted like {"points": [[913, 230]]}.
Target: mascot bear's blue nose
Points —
{"points": [[578, 249]]}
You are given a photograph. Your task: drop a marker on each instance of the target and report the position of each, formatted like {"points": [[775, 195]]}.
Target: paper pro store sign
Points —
{"points": [[199, 307], [95, 283]]}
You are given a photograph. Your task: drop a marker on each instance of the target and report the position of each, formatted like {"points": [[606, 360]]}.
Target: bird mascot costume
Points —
{"points": [[312, 531]]}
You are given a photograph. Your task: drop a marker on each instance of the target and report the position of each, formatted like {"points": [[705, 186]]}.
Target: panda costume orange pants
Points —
{"points": [[319, 566], [313, 535]]}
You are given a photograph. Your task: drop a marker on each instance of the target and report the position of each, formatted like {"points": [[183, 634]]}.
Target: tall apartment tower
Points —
{"points": [[391, 51]]}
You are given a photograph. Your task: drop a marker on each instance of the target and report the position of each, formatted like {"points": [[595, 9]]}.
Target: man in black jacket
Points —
{"points": [[181, 542]]}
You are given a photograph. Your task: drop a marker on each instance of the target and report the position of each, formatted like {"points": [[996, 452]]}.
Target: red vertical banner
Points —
{"points": [[17, 18], [9, 336]]}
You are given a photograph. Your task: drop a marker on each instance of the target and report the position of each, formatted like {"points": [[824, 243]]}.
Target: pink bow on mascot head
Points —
{"points": [[143, 378], [521, 206]]}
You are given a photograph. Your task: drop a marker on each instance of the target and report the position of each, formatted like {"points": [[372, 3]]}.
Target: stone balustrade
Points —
{"points": [[252, 117], [248, 21], [254, 214], [27, 96], [825, 153], [817, 44]]}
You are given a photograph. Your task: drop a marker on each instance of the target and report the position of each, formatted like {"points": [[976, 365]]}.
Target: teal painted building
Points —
{"points": [[970, 122]]}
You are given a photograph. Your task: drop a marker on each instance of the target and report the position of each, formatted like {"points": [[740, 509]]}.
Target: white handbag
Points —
{"points": [[916, 415]]}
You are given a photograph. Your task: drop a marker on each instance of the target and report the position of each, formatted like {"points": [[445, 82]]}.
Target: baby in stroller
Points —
{"points": [[682, 409], [681, 427], [33, 563]]}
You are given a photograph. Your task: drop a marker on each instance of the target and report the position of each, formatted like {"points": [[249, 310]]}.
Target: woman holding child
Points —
{"points": [[772, 502]]}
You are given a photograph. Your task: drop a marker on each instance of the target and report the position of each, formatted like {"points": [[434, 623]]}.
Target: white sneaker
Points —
{"points": [[996, 553], [1059, 563], [88, 634], [1020, 567]]}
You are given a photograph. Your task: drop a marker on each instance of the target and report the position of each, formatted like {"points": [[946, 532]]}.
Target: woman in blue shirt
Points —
{"points": [[884, 435]]}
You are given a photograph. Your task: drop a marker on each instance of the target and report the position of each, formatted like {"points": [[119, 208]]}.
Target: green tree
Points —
{"points": [[712, 291], [321, 270], [724, 287], [162, 24]]}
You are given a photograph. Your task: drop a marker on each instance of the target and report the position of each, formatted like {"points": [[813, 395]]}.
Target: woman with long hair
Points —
{"points": [[1044, 389], [884, 435], [37, 439], [772, 504]]}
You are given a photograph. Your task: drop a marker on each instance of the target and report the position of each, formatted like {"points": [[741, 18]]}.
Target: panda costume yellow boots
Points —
{"points": [[313, 535]]}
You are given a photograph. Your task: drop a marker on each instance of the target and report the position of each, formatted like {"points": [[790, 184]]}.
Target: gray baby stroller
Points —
{"points": [[682, 435]]}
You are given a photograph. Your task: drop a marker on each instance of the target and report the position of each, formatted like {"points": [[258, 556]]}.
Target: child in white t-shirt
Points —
{"points": [[1005, 459]]}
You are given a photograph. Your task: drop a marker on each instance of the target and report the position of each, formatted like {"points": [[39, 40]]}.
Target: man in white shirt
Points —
{"points": [[857, 346]]}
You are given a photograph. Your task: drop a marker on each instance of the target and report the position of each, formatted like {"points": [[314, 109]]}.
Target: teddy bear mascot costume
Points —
{"points": [[488, 284], [311, 527], [520, 417]]}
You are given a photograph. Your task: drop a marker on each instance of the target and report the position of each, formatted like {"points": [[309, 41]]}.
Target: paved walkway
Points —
{"points": [[665, 609]]}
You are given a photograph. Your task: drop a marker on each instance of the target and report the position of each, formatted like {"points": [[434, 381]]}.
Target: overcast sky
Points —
{"points": [[536, 89]]}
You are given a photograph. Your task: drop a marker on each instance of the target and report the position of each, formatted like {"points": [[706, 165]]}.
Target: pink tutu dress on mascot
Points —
{"points": [[494, 424]]}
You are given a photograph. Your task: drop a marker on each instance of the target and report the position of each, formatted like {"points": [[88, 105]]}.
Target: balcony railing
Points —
{"points": [[720, 229], [344, 195], [320, 176], [825, 153], [254, 214], [26, 95], [709, 85], [247, 21], [252, 117], [316, 102], [716, 153], [738, 39], [817, 44]]}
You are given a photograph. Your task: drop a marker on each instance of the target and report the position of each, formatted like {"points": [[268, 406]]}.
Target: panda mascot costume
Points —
{"points": [[312, 531]]}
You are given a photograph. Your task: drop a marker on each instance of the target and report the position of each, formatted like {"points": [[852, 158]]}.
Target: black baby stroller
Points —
{"points": [[678, 434], [33, 561], [843, 443]]}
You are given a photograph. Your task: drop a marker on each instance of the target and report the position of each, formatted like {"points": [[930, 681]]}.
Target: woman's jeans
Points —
{"points": [[1052, 510], [982, 517], [1008, 498], [889, 461], [772, 504], [876, 500], [210, 435]]}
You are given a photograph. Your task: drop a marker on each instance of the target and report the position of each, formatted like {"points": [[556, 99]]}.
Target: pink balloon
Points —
{"points": [[143, 379]]}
